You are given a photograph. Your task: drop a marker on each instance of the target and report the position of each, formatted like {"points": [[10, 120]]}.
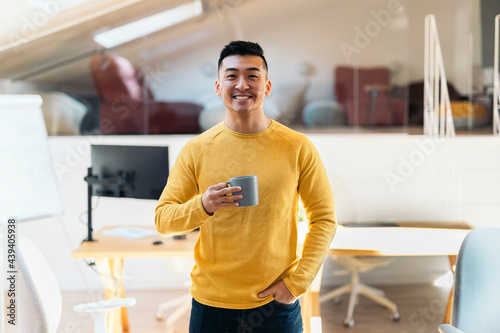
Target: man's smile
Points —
{"points": [[242, 97]]}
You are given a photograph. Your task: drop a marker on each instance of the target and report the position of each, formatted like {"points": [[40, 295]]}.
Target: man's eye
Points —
{"points": [[231, 76], [253, 76]]}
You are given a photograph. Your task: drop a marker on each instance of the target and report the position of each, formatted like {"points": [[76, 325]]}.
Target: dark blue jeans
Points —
{"points": [[273, 317]]}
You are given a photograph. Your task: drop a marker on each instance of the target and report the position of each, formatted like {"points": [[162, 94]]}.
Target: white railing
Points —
{"points": [[438, 119], [496, 85]]}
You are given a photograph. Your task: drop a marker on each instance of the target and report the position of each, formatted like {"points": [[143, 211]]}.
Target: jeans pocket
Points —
{"points": [[285, 305]]}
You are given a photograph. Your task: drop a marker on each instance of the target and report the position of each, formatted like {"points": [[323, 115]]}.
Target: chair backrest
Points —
{"points": [[350, 91], [38, 296], [116, 79], [476, 299]]}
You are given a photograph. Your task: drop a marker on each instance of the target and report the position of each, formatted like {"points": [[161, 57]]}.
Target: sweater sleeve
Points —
{"points": [[180, 209], [317, 198]]}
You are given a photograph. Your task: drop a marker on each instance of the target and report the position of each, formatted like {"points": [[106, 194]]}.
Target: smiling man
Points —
{"points": [[248, 276], [243, 83]]}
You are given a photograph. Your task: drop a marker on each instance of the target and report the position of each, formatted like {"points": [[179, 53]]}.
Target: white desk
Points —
{"points": [[407, 239], [397, 241]]}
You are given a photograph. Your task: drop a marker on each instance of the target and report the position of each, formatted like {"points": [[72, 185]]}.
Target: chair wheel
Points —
{"points": [[395, 316], [338, 300], [349, 322]]}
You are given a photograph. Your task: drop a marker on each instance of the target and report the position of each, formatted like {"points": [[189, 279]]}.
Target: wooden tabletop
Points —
{"points": [[107, 246]]}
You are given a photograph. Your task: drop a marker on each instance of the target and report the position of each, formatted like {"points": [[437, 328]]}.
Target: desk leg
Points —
{"points": [[311, 309], [111, 271], [447, 314]]}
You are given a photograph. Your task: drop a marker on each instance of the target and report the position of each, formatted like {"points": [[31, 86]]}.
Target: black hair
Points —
{"points": [[242, 48]]}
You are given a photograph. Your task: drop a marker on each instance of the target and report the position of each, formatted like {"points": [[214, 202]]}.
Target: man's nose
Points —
{"points": [[242, 84]]}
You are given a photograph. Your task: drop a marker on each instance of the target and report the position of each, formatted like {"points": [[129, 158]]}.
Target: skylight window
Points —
{"points": [[148, 25]]}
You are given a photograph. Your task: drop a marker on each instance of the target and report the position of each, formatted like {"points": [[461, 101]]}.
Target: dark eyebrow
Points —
{"points": [[248, 69]]}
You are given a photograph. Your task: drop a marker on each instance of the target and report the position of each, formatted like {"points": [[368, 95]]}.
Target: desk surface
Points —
{"points": [[409, 239], [117, 247]]}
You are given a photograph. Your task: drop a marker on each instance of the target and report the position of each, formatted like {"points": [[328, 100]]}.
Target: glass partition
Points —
{"points": [[344, 66]]}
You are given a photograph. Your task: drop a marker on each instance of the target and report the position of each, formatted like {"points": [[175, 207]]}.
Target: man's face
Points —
{"points": [[243, 83]]}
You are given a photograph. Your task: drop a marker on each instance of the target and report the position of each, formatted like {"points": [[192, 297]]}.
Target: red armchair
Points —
{"points": [[128, 106], [365, 94]]}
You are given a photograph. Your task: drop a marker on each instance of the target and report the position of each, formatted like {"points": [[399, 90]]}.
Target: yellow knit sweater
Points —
{"points": [[242, 251]]}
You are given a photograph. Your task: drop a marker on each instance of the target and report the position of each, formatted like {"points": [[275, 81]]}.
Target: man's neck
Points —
{"points": [[246, 124]]}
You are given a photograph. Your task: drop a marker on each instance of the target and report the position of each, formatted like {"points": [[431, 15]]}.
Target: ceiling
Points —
{"points": [[48, 43], [51, 45]]}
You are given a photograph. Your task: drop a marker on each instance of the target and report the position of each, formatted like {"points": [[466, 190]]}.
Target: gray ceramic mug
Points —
{"points": [[249, 189]]}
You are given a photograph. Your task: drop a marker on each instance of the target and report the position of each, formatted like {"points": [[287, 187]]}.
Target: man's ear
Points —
{"points": [[268, 87], [217, 88]]}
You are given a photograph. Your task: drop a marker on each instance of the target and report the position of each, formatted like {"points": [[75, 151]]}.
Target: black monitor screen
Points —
{"points": [[139, 172]]}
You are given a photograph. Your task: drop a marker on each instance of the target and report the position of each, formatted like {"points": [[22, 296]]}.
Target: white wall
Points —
{"points": [[438, 181]]}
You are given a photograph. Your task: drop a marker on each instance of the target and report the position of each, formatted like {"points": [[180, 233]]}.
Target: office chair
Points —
{"points": [[183, 304], [39, 296], [365, 94], [344, 200], [181, 267], [355, 266], [127, 104], [476, 296]]}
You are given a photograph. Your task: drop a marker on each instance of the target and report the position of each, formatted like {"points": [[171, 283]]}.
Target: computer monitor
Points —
{"points": [[138, 172]]}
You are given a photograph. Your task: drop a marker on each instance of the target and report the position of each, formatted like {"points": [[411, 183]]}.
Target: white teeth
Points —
{"points": [[242, 97]]}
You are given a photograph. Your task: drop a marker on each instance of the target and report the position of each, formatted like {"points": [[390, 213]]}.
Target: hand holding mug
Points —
{"points": [[245, 189], [219, 196]]}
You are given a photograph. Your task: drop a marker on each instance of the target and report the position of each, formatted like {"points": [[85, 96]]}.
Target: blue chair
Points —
{"points": [[476, 298]]}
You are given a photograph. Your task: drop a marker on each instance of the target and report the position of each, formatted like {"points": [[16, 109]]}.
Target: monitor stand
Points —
{"points": [[119, 180]]}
